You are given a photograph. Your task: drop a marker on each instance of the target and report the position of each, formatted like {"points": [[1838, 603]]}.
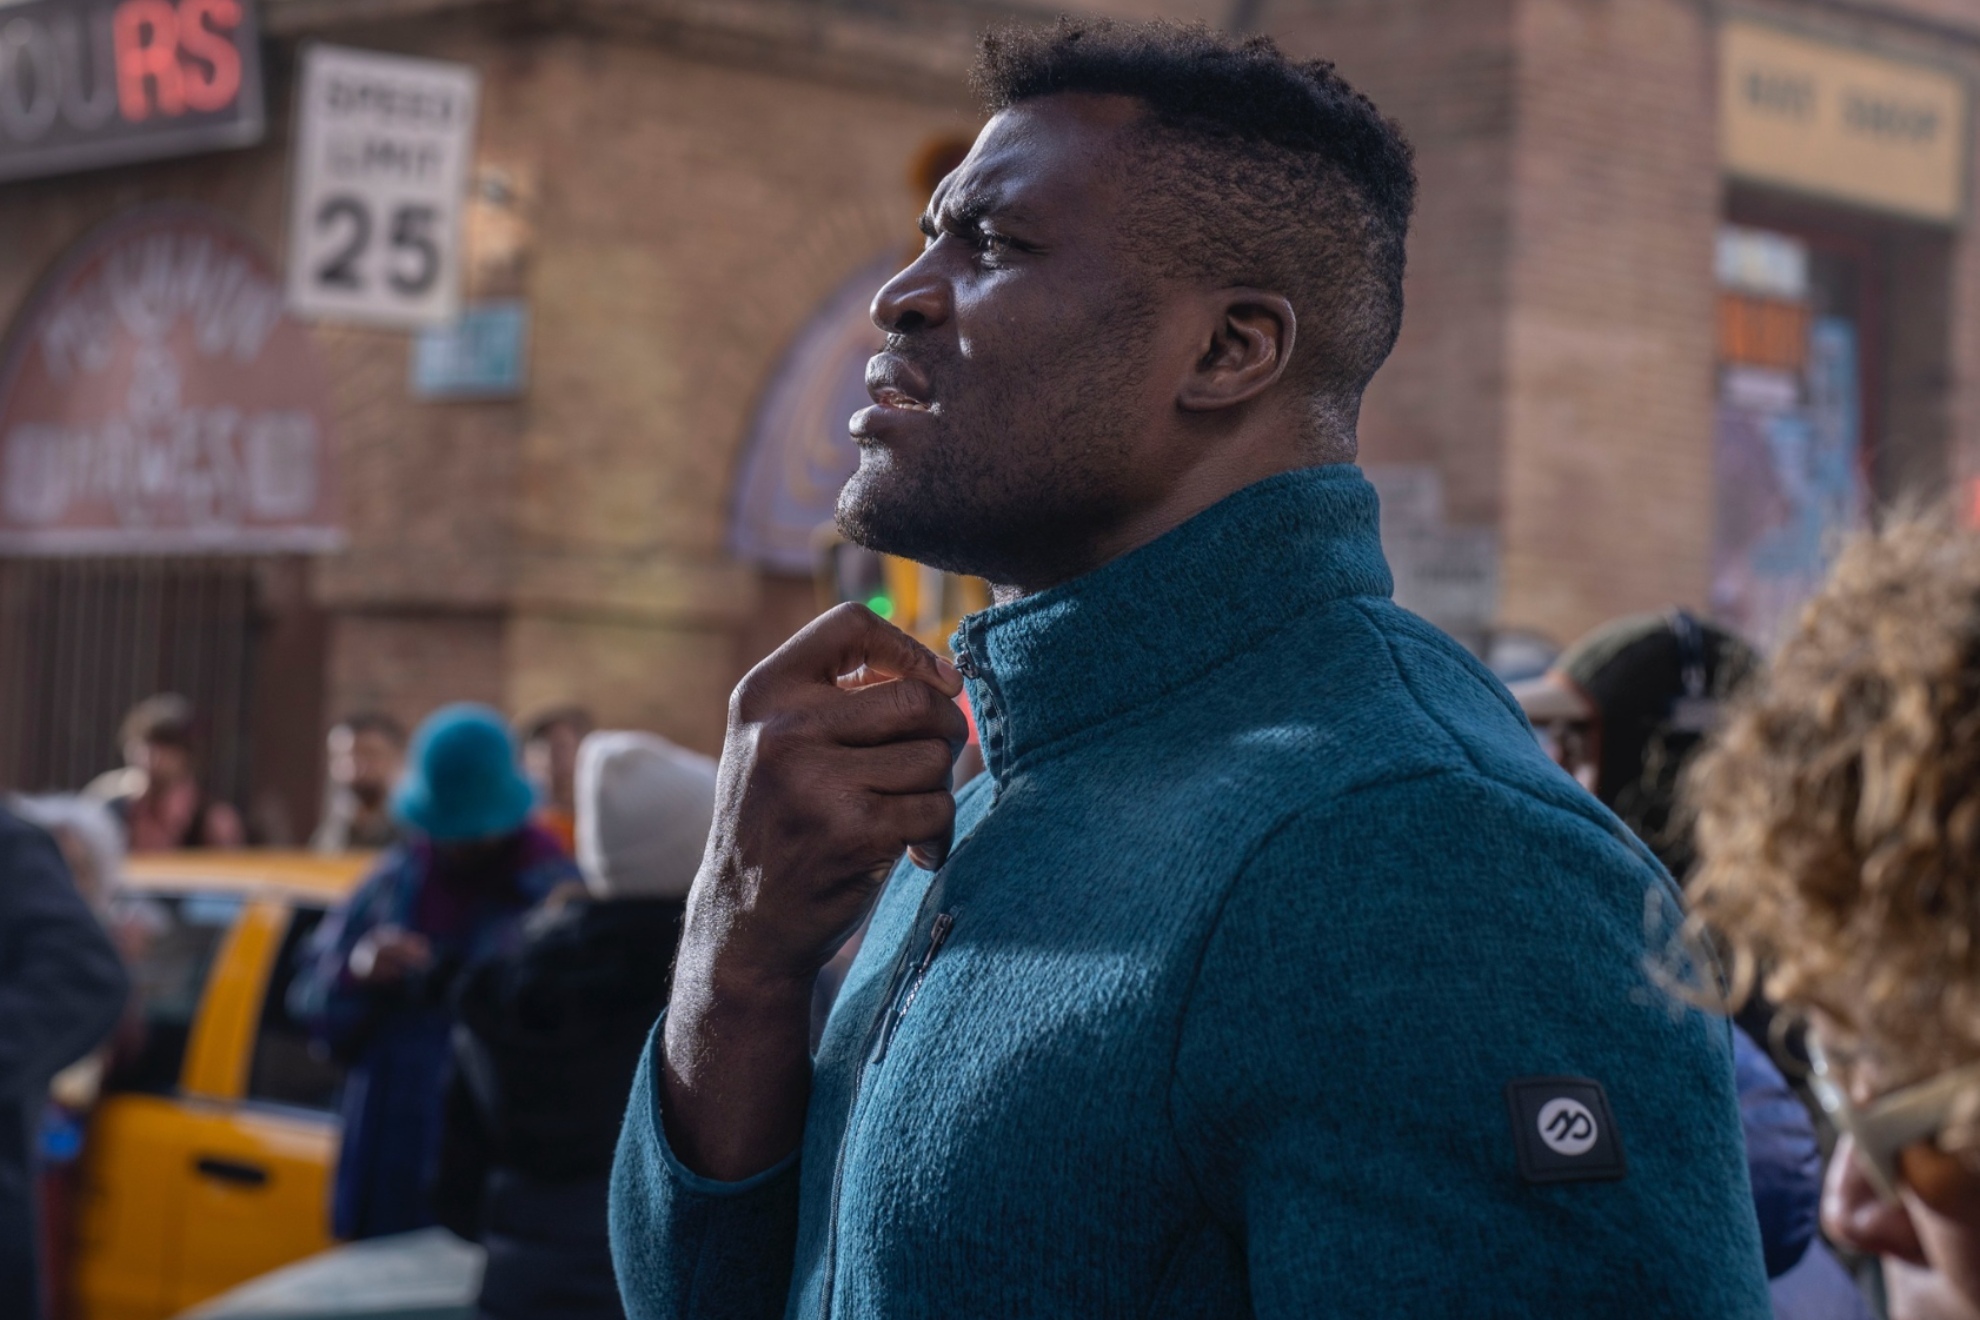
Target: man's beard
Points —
{"points": [[1013, 484]]}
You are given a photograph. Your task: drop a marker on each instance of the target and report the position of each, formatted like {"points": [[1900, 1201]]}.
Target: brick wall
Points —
{"points": [[693, 214], [1608, 409], [1443, 69], [673, 221], [408, 664]]}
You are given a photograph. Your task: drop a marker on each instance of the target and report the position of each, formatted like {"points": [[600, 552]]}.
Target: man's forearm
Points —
{"points": [[737, 1051]]}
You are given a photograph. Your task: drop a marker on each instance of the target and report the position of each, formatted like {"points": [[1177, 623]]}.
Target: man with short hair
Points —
{"points": [[1271, 969], [550, 747], [366, 755]]}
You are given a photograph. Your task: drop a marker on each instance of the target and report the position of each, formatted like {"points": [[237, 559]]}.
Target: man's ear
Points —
{"points": [[1249, 345]]}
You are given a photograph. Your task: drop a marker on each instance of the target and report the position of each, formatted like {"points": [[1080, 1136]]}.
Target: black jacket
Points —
{"points": [[544, 1056], [62, 988]]}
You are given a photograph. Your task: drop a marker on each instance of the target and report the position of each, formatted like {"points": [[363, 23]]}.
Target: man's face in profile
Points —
{"points": [[1017, 382]]}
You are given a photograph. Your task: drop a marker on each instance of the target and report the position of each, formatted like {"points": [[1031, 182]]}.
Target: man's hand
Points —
{"points": [[386, 955], [837, 760]]}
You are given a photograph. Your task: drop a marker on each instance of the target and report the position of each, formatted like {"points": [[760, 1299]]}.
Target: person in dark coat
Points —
{"points": [[550, 1036], [378, 976], [62, 987]]}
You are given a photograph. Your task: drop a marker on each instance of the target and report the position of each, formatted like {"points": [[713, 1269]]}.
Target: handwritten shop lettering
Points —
{"points": [[1779, 92], [91, 83], [1839, 121], [163, 391], [1797, 96], [142, 58], [1881, 117]]}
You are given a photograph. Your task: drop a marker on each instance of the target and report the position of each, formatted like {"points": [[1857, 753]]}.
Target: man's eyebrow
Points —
{"points": [[959, 210]]}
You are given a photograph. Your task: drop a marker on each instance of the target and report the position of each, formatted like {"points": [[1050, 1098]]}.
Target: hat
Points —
{"points": [[462, 781], [644, 807], [1547, 699], [1654, 685]]}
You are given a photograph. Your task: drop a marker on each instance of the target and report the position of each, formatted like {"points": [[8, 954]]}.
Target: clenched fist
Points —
{"points": [[837, 760]]}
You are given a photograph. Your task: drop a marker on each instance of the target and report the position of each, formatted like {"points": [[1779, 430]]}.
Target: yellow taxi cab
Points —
{"points": [[209, 1157]]}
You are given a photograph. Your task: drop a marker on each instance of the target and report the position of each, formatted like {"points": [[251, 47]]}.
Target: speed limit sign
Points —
{"points": [[381, 159]]}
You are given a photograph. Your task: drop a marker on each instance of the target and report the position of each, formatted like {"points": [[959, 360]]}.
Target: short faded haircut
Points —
{"points": [[1264, 172]]}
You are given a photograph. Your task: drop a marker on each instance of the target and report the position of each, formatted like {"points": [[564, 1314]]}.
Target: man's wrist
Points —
{"points": [[716, 959], [738, 989]]}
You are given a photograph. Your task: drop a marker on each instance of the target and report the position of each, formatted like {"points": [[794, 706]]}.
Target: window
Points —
{"points": [[175, 939], [1791, 422], [289, 1068]]}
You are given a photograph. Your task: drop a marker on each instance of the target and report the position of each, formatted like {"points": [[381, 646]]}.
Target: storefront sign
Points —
{"points": [[1836, 122], [382, 150], [1763, 332], [483, 355], [155, 399], [85, 83]]}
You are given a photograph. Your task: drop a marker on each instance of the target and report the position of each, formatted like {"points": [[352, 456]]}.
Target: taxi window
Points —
{"points": [[289, 1068], [170, 942]]}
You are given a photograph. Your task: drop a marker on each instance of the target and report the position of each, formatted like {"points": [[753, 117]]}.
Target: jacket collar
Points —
{"points": [[1135, 630]]}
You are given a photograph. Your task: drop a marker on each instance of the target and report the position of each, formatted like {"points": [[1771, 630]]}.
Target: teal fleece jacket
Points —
{"points": [[1246, 991]]}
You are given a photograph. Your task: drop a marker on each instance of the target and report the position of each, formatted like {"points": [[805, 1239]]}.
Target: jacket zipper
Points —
{"points": [[901, 991], [986, 708], [938, 934]]}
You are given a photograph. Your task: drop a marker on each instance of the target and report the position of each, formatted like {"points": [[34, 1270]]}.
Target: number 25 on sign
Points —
{"points": [[381, 158]]}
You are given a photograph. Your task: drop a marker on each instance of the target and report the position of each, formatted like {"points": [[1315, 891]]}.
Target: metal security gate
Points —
{"points": [[84, 639]]}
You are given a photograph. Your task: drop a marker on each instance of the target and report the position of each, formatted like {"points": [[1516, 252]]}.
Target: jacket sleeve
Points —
{"points": [[687, 1247], [62, 985], [1382, 970], [1782, 1157], [324, 996]]}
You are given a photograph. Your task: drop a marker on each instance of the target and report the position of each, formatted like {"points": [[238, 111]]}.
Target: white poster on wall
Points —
{"points": [[382, 148]]}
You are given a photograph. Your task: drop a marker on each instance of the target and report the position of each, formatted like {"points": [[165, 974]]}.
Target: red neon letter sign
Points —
{"points": [[202, 25], [146, 34]]}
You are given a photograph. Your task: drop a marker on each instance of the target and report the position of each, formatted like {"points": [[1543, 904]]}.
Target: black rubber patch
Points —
{"points": [[1563, 1130]]}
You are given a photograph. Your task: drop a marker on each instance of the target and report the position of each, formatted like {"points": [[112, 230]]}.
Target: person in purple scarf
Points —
{"points": [[377, 977]]}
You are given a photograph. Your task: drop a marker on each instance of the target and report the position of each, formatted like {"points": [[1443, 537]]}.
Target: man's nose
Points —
{"points": [[1854, 1216], [914, 299]]}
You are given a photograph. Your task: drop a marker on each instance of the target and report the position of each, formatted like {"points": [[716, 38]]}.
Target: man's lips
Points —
{"points": [[893, 382]]}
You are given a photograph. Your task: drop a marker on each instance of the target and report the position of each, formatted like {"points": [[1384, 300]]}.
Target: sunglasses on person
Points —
{"points": [[1891, 1122]]}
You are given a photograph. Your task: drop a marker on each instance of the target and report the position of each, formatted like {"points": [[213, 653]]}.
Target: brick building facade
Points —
{"points": [[674, 187]]}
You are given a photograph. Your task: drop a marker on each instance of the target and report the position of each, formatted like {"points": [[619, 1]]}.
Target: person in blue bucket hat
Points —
{"points": [[377, 977]]}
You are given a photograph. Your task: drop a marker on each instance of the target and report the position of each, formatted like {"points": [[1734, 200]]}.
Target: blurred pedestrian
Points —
{"points": [[366, 755], [87, 833], [92, 847], [551, 1033], [379, 973], [550, 745], [1626, 708], [1839, 851], [62, 988], [1270, 968], [157, 795]]}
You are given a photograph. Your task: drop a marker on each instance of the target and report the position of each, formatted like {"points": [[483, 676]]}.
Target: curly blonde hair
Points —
{"points": [[1838, 814]]}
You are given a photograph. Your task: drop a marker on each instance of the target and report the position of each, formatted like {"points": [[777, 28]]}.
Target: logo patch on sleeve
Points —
{"points": [[1562, 1130]]}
